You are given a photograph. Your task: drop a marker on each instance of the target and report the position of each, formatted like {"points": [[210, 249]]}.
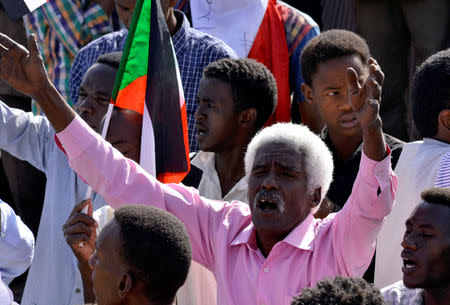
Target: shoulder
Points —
{"points": [[111, 42], [398, 294], [299, 27]]}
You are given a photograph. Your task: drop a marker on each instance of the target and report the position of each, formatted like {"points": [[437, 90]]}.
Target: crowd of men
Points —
{"points": [[298, 192]]}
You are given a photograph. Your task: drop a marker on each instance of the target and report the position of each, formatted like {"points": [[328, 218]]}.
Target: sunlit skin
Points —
{"points": [[328, 91], [106, 266], [94, 94], [222, 130], [426, 251], [277, 193]]}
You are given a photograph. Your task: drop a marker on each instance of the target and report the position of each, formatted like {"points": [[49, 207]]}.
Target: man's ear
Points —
{"points": [[316, 197], [247, 118], [125, 284], [444, 120], [307, 93]]}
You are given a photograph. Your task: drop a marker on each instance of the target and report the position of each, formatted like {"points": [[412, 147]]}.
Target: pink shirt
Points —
{"points": [[222, 233]]}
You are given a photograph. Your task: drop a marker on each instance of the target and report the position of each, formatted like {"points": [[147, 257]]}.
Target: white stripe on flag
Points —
{"points": [[34, 4], [148, 161]]}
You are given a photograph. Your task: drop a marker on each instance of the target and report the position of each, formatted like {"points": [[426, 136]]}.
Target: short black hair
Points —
{"points": [[156, 245], [330, 45], [431, 92], [252, 84], [340, 291], [111, 59], [437, 195]]}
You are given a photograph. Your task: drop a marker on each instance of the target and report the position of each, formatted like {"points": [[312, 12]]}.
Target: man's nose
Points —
{"points": [[199, 113], [409, 242], [270, 181], [344, 104], [86, 106]]}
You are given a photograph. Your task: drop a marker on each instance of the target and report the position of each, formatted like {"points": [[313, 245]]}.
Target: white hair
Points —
{"points": [[317, 158]]}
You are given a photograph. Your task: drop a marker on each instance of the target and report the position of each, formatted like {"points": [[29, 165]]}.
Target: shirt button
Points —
{"points": [[78, 290], [266, 270]]}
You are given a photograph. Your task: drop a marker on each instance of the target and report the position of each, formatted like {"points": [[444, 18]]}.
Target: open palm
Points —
{"points": [[22, 69]]}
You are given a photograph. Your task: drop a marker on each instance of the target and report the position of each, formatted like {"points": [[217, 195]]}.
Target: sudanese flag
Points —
{"points": [[149, 82]]}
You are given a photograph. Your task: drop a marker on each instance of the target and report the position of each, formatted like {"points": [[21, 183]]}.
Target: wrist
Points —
{"points": [[374, 128], [43, 91]]}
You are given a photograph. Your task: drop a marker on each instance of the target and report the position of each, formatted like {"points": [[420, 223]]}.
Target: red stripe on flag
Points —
{"points": [[133, 96]]}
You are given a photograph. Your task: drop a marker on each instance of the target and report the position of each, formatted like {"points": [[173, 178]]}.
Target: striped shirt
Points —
{"points": [[443, 175], [299, 29], [62, 27], [194, 51]]}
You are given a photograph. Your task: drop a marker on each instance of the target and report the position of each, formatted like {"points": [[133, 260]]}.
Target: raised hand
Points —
{"points": [[21, 68], [80, 232], [365, 101]]}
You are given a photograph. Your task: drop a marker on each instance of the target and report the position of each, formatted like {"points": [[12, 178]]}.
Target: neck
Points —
{"points": [[230, 167], [266, 242], [436, 296], [172, 23], [344, 146], [442, 138]]}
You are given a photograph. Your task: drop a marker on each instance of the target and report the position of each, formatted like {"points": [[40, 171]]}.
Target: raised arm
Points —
{"points": [[365, 101], [356, 226], [24, 70]]}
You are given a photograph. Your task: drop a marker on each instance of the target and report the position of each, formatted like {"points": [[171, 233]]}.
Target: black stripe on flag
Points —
{"points": [[162, 98]]}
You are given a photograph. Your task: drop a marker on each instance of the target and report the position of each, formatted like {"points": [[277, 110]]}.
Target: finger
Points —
{"points": [[90, 211], [75, 239], [353, 88], [79, 228], [6, 42], [80, 218], [378, 74], [375, 89], [79, 206], [33, 47]]}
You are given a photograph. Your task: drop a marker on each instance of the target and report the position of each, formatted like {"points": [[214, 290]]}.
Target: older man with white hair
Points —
{"points": [[264, 252]]}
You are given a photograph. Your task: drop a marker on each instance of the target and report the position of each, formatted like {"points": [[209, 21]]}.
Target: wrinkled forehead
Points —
{"points": [[280, 151]]}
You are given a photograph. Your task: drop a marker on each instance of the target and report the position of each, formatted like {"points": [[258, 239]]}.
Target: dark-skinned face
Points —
{"points": [[94, 94], [277, 191], [215, 119], [426, 247], [124, 133], [107, 267], [329, 92], [125, 9]]}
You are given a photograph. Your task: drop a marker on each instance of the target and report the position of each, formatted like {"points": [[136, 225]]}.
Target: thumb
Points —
{"points": [[33, 47]]}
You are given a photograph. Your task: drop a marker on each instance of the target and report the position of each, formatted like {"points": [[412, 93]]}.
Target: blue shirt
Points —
{"points": [[194, 51], [54, 277]]}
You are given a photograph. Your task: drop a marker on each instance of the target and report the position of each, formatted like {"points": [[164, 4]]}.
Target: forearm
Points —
{"points": [[58, 112], [374, 145], [86, 277]]}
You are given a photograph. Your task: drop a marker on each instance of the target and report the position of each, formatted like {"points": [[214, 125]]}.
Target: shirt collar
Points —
{"points": [[180, 38], [302, 237]]}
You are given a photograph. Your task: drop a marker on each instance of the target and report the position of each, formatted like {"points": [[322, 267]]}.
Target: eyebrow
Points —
{"points": [[334, 87]]}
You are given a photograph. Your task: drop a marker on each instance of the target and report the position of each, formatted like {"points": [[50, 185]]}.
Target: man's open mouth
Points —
{"points": [[267, 205], [408, 265], [200, 130]]}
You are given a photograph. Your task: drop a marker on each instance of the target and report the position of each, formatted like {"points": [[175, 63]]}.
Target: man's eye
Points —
{"points": [[288, 174], [332, 93]]}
